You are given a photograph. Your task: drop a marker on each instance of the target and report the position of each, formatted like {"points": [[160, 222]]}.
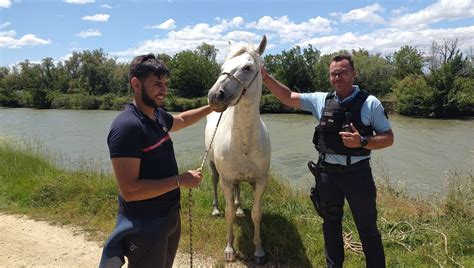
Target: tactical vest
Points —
{"points": [[326, 136]]}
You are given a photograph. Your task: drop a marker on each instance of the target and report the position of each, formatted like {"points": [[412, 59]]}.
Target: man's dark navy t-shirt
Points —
{"points": [[133, 134]]}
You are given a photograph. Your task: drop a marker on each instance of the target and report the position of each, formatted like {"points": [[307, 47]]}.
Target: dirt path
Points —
{"points": [[28, 243]]}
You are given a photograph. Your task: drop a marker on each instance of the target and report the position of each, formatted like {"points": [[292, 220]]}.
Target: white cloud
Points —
{"points": [[106, 6], [7, 39], [5, 3], [439, 11], [224, 31], [10, 33], [289, 31], [169, 24], [97, 17], [366, 14], [89, 33], [5, 25], [79, 2], [281, 32], [200, 31], [241, 35], [225, 25], [398, 11], [389, 40]]}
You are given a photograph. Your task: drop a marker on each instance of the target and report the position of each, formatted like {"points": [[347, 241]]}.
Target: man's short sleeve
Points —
{"points": [[313, 102], [126, 137], [374, 114]]}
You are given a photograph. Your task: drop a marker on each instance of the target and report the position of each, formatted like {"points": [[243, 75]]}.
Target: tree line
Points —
{"points": [[440, 84]]}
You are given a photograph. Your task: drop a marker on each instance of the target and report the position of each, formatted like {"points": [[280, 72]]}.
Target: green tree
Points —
{"points": [[96, 72], [408, 60], [164, 57], [40, 98], [119, 83], [452, 65], [48, 73], [208, 51], [192, 74], [321, 74], [374, 72], [462, 96], [292, 68], [415, 96], [30, 76], [73, 70]]}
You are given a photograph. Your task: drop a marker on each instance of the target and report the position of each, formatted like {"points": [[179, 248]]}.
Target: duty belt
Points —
{"points": [[325, 167]]}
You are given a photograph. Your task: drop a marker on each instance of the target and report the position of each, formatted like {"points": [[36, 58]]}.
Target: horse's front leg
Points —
{"points": [[215, 181], [229, 254], [239, 212], [259, 187]]}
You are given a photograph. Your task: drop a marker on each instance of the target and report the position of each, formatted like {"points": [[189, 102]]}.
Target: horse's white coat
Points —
{"points": [[241, 147]]}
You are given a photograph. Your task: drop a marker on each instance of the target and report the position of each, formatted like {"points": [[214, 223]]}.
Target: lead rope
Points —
{"points": [[190, 197]]}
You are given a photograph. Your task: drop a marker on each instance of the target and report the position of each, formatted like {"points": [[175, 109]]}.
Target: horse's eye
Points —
{"points": [[247, 68]]}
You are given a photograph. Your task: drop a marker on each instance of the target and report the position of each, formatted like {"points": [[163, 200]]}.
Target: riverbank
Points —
{"points": [[268, 103], [415, 232]]}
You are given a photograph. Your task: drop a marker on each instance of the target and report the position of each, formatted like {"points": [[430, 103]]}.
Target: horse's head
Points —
{"points": [[240, 73]]}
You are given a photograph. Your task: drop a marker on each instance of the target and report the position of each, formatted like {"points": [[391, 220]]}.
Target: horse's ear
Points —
{"points": [[263, 44]]}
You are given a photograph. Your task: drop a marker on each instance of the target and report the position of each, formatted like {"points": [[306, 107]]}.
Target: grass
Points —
{"points": [[415, 232]]}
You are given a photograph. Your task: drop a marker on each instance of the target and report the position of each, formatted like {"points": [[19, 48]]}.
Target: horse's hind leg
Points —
{"points": [[259, 187], [239, 212], [215, 181]]}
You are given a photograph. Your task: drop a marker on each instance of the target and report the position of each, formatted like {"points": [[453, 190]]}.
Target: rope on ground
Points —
{"points": [[445, 245], [400, 231], [350, 244]]}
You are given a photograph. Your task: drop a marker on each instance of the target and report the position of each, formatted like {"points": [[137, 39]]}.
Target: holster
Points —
{"points": [[314, 193]]}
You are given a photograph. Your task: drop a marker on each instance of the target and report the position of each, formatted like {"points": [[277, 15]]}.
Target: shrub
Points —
{"points": [[414, 96], [118, 103], [41, 99], [462, 96], [270, 104], [24, 98], [177, 104], [60, 101], [106, 101], [75, 101]]}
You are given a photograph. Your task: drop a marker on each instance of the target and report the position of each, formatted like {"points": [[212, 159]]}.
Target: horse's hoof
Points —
{"points": [[229, 256], [260, 260], [239, 213], [216, 212]]}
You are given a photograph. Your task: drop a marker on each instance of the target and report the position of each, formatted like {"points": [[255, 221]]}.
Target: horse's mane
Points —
{"points": [[243, 50]]}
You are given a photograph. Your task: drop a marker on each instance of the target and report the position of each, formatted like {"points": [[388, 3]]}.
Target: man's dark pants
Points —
{"points": [[146, 243], [358, 188]]}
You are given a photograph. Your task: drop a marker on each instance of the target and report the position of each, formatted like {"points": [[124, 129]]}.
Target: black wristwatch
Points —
{"points": [[363, 141]]}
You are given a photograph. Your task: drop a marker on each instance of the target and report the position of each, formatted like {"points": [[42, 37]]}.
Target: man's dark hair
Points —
{"points": [[344, 56], [144, 65]]}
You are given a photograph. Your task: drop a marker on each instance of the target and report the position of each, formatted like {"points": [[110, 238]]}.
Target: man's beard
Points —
{"points": [[149, 100]]}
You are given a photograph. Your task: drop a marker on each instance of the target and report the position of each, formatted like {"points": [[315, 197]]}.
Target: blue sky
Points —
{"points": [[36, 29]]}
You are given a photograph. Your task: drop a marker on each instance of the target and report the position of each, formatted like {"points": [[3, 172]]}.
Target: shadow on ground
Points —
{"points": [[280, 238]]}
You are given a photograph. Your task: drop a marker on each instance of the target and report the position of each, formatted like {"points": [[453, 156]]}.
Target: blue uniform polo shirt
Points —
{"points": [[372, 113], [133, 134]]}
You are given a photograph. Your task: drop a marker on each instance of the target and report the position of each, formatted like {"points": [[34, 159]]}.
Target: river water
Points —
{"points": [[424, 153]]}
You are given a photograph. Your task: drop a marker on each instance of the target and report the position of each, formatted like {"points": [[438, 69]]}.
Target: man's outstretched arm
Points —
{"points": [[282, 92], [189, 117]]}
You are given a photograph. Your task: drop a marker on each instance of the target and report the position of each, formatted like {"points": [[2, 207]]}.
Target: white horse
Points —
{"points": [[241, 147]]}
